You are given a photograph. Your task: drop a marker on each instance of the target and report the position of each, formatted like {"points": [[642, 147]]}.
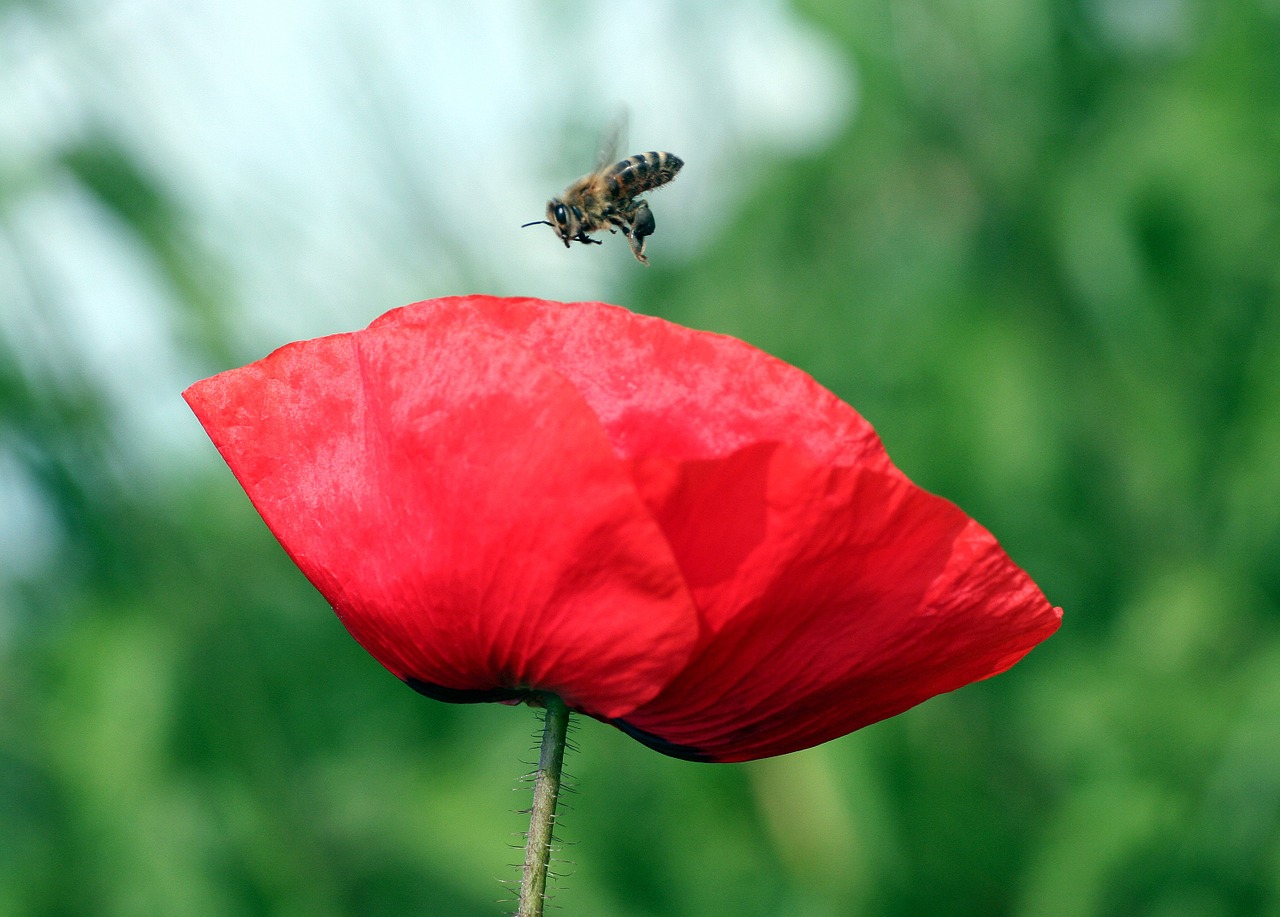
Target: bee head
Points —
{"points": [[565, 219]]}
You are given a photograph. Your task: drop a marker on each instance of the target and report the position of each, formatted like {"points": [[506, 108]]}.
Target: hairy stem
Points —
{"points": [[546, 791]]}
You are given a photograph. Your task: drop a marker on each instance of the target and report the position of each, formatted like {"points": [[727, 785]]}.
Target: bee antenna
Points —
{"points": [[535, 223]]}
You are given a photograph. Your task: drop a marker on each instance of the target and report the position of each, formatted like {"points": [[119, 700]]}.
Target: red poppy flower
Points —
{"points": [[675, 532]]}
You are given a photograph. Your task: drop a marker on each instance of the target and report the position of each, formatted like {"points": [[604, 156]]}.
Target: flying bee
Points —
{"points": [[607, 199]]}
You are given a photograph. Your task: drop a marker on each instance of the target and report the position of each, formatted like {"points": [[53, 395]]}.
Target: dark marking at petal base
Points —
{"points": [[657, 743], [467, 695]]}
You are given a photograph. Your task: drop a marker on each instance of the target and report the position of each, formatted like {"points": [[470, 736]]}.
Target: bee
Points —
{"points": [[607, 199]]}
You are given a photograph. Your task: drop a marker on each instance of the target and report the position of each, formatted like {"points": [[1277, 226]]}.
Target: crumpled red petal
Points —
{"points": [[679, 533], [457, 503], [834, 597], [660, 389]]}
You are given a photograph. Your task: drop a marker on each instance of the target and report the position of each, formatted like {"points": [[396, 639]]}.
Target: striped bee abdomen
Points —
{"points": [[642, 172]]}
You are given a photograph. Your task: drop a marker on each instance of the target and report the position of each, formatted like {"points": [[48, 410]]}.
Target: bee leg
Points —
{"points": [[637, 248], [626, 222], [620, 221], [642, 222], [642, 225]]}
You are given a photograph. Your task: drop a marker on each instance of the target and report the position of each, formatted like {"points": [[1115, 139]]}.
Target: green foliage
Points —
{"points": [[1042, 260]]}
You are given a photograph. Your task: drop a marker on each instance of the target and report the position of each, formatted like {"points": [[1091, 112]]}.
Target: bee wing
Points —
{"points": [[612, 140]]}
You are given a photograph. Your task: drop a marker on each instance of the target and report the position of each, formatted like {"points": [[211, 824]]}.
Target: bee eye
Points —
{"points": [[560, 215]]}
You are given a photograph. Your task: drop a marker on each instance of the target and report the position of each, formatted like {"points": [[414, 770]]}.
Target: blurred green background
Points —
{"points": [[1035, 242]]}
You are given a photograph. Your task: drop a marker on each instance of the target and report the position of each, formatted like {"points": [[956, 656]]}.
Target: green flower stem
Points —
{"points": [[546, 791]]}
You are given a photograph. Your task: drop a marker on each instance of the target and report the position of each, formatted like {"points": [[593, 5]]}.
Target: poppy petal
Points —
{"points": [[832, 597], [833, 592], [677, 532], [661, 389], [459, 505]]}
